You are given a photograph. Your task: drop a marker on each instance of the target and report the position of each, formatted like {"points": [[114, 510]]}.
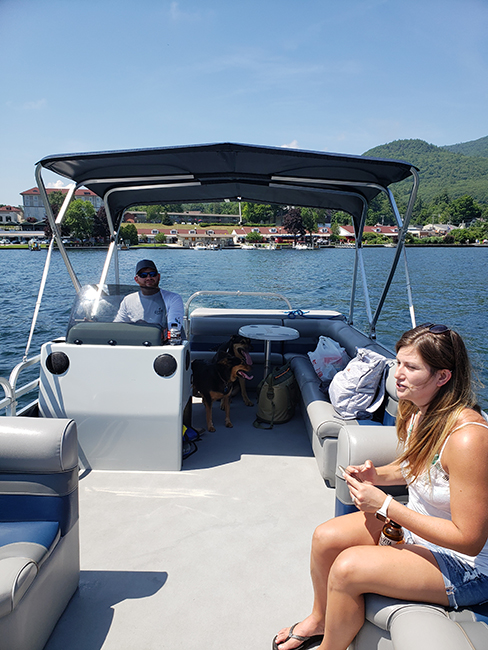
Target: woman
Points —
{"points": [[444, 559]]}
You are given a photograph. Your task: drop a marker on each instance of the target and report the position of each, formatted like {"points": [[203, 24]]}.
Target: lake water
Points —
{"points": [[449, 286]]}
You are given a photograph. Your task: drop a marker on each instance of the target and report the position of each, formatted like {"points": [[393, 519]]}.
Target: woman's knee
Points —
{"points": [[333, 534], [346, 569]]}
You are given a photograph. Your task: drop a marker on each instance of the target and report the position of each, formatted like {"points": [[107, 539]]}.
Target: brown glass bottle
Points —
{"points": [[391, 534]]}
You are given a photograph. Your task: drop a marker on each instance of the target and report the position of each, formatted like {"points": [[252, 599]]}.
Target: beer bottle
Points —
{"points": [[391, 534]]}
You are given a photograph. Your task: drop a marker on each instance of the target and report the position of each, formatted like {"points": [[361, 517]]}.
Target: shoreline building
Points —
{"points": [[10, 215], [34, 207]]}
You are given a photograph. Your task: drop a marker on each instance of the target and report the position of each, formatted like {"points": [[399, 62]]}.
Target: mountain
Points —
{"points": [[472, 148], [441, 170]]}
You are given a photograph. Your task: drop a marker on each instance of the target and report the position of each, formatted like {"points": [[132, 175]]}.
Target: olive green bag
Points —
{"points": [[278, 397]]}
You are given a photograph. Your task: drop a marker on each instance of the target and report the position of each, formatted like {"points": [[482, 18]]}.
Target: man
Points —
{"points": [[150, 304]]}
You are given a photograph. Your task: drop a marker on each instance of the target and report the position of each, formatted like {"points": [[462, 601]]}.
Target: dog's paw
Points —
{"points": [[212, 428], [229, 424], [248, 403]]}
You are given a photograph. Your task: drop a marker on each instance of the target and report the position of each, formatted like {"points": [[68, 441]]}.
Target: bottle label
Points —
{"points": [[386, 541]]}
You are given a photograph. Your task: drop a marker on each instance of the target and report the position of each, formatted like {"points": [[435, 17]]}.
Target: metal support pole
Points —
{"points": [[54, 223]]}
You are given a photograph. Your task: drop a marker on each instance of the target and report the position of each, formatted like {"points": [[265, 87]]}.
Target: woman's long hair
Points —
{"points": [[444, 350]]}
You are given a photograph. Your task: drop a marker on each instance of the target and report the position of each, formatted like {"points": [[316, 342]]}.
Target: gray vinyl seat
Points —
{"points": [[93, 333], [39, 537], [399, 625]]}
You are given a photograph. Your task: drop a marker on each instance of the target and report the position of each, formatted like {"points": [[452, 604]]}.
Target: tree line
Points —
{"points": [[83, 222]]}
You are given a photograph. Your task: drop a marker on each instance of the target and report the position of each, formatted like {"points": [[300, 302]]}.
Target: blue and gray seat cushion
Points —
{"points": [[24, 546]]}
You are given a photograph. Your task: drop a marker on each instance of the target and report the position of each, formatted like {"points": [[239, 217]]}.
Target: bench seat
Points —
{"points": [[39, 534]]}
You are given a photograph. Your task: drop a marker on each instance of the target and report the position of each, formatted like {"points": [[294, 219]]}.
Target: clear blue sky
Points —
{"points": [[333, 75]]}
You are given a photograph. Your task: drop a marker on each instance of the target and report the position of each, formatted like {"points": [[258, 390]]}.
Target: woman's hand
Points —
{"points": [[365, 496], [365, 472]]}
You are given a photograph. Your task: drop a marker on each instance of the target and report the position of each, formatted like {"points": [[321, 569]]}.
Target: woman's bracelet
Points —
{"points": [[382, 513]]}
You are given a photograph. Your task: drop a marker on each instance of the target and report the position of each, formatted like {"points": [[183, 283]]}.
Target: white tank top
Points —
{"points": [[431, 496]]}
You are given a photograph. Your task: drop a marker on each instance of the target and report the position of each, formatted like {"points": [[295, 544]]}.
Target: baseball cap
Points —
{"points": [[145, 264]]}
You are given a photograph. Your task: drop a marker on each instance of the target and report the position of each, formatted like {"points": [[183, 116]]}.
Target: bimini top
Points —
{"points": [[215, 172]]}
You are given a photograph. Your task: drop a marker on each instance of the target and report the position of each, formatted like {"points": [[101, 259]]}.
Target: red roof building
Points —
{"points": [[34, 207], [10, 215]]}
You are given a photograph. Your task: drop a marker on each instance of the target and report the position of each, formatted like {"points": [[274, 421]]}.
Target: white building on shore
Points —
{"points": [[34, 207], [10, 215]]}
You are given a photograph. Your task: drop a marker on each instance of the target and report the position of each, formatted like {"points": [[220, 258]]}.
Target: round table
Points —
{"points": [[268, 333]]}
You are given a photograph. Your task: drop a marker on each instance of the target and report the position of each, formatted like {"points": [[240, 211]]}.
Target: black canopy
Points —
{"points": [[214, 172]]}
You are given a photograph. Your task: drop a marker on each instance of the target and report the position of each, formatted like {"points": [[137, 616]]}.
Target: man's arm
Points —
{"points": [[122, 315], [174, 308]]}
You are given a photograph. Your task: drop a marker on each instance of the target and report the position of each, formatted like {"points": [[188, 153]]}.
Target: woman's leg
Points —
{"points": [[404, 572], [329, 540]]}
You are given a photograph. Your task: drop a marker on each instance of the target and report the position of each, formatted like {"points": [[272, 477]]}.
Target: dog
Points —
{"points": [[215, 379], [238, 346]]}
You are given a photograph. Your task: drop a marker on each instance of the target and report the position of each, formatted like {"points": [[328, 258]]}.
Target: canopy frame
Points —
{"points": [[226, 171]]}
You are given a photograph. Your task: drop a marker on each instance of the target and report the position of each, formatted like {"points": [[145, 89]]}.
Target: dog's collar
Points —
{"points": [[227, 386]]}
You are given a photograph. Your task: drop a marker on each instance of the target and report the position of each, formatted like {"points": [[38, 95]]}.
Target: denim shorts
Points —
{"points": [[465, 585]]}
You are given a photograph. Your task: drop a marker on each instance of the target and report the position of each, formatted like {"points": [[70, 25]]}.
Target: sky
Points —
{"points": [[327, 75]]}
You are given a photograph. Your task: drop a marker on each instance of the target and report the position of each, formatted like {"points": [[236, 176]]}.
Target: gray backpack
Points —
{"points": [[358, 391]]}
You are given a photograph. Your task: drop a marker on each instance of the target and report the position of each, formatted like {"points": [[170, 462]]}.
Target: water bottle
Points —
{"points": [[174, 334], [391, 534]]}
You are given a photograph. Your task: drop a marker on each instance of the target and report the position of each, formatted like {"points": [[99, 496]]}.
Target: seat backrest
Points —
{"points": [[93, 333], [39, 470]]}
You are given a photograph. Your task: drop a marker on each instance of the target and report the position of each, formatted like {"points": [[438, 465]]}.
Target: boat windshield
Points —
{"points": [[92, 305]]}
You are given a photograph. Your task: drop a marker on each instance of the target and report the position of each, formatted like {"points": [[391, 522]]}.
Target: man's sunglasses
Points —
{"points": [[145, 274], [436, 329]]}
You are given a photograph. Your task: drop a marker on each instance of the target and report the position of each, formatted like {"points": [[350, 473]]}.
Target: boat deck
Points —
{"points": [[214, 556]]}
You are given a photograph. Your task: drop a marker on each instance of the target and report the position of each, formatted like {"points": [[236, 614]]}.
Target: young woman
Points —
{"points": [[444, 558]]}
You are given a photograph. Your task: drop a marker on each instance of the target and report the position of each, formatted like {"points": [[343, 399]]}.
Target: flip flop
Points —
{"points": [[307, 641]]}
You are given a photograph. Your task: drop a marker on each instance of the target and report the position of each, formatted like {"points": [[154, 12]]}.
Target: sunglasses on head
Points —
{"points": [[436, 329], [145, 274]]}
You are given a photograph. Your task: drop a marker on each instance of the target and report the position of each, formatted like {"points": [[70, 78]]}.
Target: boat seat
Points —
{"points": [[94, 333], [400, 625], [321, 419], [335, 327], [208, 332], [355, 444], [39, 538]]}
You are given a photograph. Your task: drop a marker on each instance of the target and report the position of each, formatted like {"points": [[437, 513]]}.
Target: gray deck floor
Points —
{"points": [[214, 556]]}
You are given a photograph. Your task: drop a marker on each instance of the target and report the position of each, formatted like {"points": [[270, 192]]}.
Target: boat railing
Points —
{"points": [[260, 294], [12, 393], [7, 388]]}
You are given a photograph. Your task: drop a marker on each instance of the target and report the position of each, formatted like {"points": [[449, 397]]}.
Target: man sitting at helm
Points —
{"points": [[151, 304]]}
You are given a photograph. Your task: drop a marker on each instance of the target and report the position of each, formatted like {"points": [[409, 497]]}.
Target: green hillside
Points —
{"points": [[473, 148], [441, 170]]}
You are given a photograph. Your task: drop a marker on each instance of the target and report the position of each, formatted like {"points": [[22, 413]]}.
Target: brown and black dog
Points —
{"points": [[238, 346], [214, 380]]}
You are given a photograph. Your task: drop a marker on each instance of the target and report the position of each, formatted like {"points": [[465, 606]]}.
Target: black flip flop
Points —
{"points": [[307, 641]]}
